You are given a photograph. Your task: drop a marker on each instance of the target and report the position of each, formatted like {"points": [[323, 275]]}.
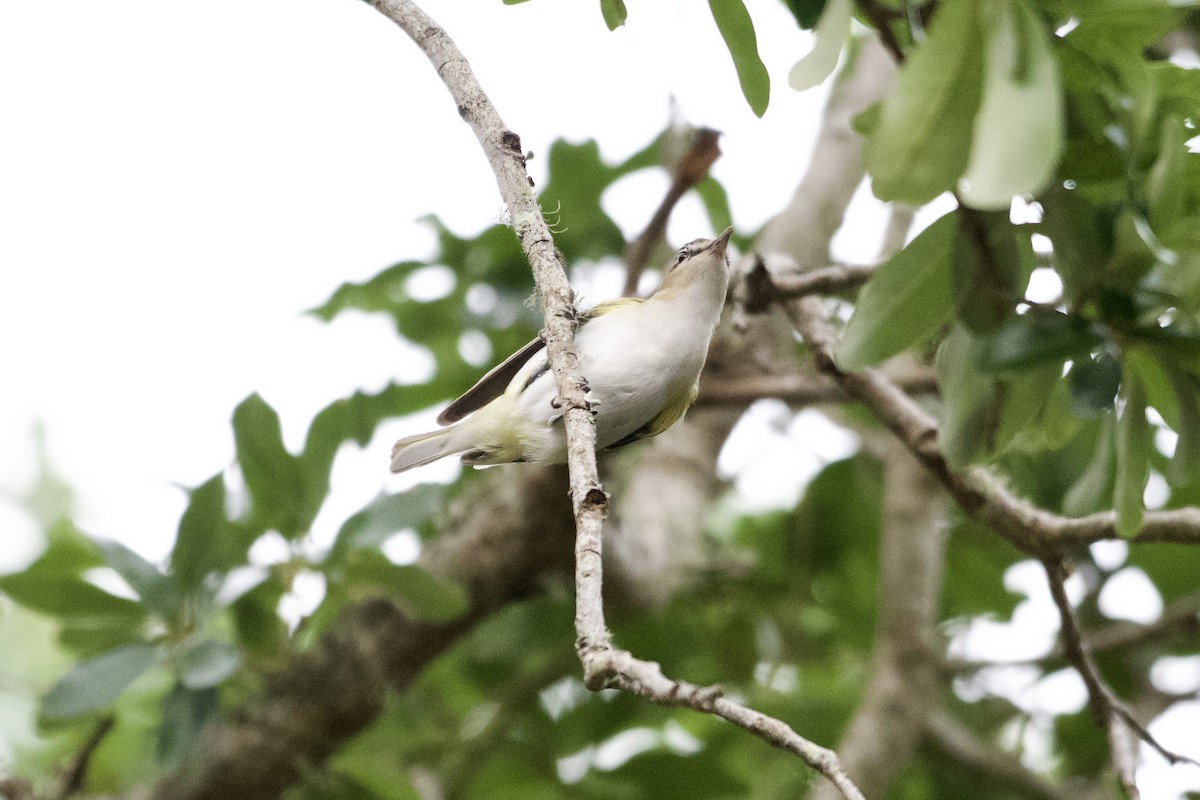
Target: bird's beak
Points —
{"points": [[721, 242]]}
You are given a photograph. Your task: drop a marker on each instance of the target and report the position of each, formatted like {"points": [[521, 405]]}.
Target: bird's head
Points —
{"points": [[699, 261]]}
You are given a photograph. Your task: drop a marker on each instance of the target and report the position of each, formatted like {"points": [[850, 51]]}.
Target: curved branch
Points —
{"points": [[690, 170], [980, 494], [1111, 714]]}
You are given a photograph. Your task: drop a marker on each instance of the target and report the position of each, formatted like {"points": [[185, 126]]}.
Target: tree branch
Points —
{"points": [[981, 495], [1111, 714], [75, 771], [829, 280], [797, 389], [602, 664], [690, 170], [504, 153]]}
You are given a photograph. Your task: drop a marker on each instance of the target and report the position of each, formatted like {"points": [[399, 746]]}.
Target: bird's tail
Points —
{"points": [[423, 448]]}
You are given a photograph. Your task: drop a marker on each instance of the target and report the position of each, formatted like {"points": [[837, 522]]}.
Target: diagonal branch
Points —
{"points": [[981, 495], [602, 664], [690, 170], [1110, 712]]}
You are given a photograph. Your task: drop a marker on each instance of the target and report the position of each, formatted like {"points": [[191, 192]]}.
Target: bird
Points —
{"points": [[641, 359]]}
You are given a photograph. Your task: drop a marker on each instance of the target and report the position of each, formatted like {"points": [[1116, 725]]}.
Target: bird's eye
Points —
{"points": [[683, 254]]}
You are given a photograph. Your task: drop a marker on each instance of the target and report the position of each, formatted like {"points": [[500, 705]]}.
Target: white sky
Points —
{"points": [[179, 181]]}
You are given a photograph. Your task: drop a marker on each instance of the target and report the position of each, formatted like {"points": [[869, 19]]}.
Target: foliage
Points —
{"points": [[1065, 103]]}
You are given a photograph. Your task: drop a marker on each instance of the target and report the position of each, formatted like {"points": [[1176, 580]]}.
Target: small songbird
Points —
{"points": [[641, 359]]}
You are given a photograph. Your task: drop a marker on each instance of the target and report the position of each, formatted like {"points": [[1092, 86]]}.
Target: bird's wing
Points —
{"points": [[491, 385]]}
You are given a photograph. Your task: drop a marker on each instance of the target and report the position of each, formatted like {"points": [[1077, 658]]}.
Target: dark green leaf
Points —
{"points": [[96, 683], [273, 476], [737, 29], [207, 663], [614, 12], [923, 141], [1082, 237], [1039, 337], [259, 628], [806, 12], [1094, 383], [991, 266], [1134, 440], [184, 713], [906, 300]]}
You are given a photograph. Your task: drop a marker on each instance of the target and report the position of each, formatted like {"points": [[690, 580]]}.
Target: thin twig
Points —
{"points": [[690, 170], [618, 669], [830, 280], [1111, 714], [75, 771]]}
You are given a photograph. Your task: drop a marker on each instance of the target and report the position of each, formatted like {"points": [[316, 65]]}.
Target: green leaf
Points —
{"points": [[184, 713], [1031, 416], [1018, 134], [1094, 383], [1094, 489], [737, 29], [832, 32], [970, 401], [906, 300], [614, 13], [991, 265], [716, 203], [207, 663], [63, 596], [273, 476], [1133, 453], [424, 595], [258, 626], [1038, 337], [157, 591], [96, 683], [199, 543], [923, 141], [1185, 464], [1167, 183], [806, 12]]}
